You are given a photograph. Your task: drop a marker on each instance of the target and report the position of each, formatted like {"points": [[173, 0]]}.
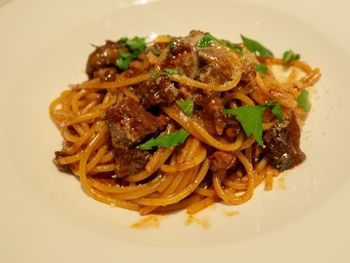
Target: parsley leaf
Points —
{"points": [[303, 100], [289, 55], [186, 106], [172, 43], [155, 52], [166, 141], [276, 109], [261, 67], [171, 71], [155, 73], [232, 46], [124, 59], [250, 118], [256, 47], [206, 40], [122, 41], [136, 44]]}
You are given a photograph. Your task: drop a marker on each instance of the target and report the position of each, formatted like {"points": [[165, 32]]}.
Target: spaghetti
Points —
{"points": [[132, 96]]}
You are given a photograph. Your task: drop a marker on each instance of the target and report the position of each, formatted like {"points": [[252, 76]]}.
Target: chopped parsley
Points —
{"points": [[155, 73], [289, 56], [155, 52], [166, 141], [172, 43], [303, 100], [171, 71], [136, 46], [206, 40], [232, 46], [186, 106], [250, 118], [256, 47], [261, 68], [124, 59], [276, 109]]}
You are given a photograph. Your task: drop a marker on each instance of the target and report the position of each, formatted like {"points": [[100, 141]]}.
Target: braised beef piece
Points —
{"points": [[248, 72], [220, 160], [282, 142], [212, 113], [183, 55], [157, 91], [232, 129], [65, 168], [103, 56], [106, 74], [215, 67], [130, 161], [129, 123]]}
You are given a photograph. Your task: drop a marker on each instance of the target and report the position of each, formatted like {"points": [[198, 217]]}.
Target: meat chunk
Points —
{"points": [[220, 160], [215, 67], [129, 123], [183, 56], [212, 112], [103, 56], [130, 161], [106, 74], [65, 168], [157, 91], [283, 144]]}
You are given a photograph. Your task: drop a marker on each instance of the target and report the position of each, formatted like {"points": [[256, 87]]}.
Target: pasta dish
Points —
{"points": [[182, 122]]}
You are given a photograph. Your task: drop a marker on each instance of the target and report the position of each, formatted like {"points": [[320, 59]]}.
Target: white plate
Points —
{"points": [[46, 217]]}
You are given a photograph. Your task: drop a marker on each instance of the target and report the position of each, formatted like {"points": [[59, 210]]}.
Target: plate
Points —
{"points": [[46, 217]]}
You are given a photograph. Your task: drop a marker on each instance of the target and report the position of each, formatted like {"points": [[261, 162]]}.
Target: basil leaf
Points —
{"points": [[303, 100], [250, 118], [256, 47], [206, 40], [186, 106], [166, 141], [276, 110], [261, 67], [171, 71], [289, 55]]}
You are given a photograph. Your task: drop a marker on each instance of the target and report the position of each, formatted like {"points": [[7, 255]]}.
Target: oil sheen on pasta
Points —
{"points": [[239, 124]]}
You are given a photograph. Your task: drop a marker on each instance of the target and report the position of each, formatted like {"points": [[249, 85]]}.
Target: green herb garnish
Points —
{"points": [[289, 55], [122, 41], [231, 45], [256, 47], [250, 118], [186, 106], [303, 100], [166, 141], [171, 71], [172, 43], [276, 110], [136, 46], [155, 52], [206, 40], [155, 73], [124, 59], [261, 67]]}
